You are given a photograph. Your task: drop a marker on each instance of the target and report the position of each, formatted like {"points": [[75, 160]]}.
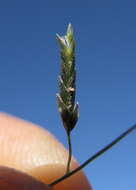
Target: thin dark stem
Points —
{"points": [[69, 152], [99, 153]]}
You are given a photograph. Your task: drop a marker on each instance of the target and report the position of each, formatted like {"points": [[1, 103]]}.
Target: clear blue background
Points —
{"points": [[105, 33]]}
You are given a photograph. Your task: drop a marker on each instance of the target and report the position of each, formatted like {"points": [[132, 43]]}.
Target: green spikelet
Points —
{"points": [[66, 98]]}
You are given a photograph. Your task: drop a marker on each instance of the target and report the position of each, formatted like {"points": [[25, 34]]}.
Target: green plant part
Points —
{"points": [[95, 156], [66, 102], [66, 98]]}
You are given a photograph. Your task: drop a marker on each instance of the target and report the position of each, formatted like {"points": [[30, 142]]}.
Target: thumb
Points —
{"points": [[11, 179], [33, 150]]}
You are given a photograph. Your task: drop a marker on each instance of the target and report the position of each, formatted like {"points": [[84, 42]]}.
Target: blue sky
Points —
{"points": [[105, 33]]}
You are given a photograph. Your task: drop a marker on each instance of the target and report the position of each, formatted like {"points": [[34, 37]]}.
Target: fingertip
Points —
{"points": [[41, 155], [11, 179], [52, 172]]}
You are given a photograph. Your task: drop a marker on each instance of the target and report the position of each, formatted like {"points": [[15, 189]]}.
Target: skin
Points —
{"points": [[31, 157]]}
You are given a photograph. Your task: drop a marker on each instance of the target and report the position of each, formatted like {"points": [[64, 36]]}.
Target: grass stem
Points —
{"points": [[69, 152], [92, 158]]}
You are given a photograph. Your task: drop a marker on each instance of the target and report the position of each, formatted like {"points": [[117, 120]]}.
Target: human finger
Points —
{"points": [[11, 179], [33, 150]]}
